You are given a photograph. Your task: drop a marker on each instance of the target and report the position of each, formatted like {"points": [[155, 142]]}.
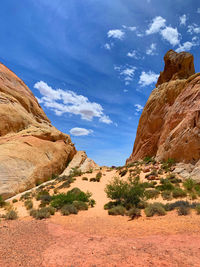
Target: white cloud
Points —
{"points": [[130, 28], [117, 34], [80, 131], [194, 28], [157, 24], [133, 54], [107, 46], [147, 78], [125, 90], [198, 10], [151, 50], [69, 102], [126, 73], [185, 47], [171, 35], [105, 119], [183, 19], [138, 107]]}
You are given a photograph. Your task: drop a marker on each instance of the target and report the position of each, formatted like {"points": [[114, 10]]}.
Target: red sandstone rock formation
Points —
{"points": [[169, 126]]}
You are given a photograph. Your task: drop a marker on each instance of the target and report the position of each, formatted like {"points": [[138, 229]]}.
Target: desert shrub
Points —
{"points": [[125, 192], [149, 159], [189, 184], [69, 209], [80, 205], [149, 184], [166, 195], [198, 209], [92, 202], [151, 194], [193, 195], [178, 193], [28, 204], [98, 176], [142, 204], [42, 194], [75, 172], [123, 172], [110, 205], [40, 214], [93, 179], [165, 185], [58, 201], [173, 179], [68, 181], [118, 210], [183, 210], [85, 179], [14, 200], [134, 213], [166, 165], [2, 202], [155, 209], [177, 204], [25, 196], [11, 215]]}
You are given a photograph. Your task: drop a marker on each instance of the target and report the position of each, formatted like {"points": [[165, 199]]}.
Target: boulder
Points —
{"points": [[31, 149]]}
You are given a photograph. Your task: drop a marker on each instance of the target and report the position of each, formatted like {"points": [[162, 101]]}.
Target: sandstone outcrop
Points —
{"points": [[82, 162], [31, 149], [169, 126]]}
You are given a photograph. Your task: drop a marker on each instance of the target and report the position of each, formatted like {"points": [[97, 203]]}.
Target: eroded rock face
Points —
{"points": [[177, 66], [82, 162], [31, 149], [169, 126]]}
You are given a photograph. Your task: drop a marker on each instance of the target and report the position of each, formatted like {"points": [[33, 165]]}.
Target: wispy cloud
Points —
{"points": [[194, 28], [130, 28], [108, 46], [116, 34], [126, 72], [186, 46], [171, 35], [147, 78], [183, 19], [151, 50], [155, 26], [60, 102], [80, 131], [133, 54]]}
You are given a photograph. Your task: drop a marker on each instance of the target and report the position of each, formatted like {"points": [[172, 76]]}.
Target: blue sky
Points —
{"points": [[92, 64]]}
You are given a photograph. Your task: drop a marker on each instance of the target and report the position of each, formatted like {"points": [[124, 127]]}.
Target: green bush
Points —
{"points": [[134, 213], [166, 195], [123, 172], [189, 184], [25, 196], [166, 185], [85, 179], [178, 193], [198, 209], [155, 208], [69, 209], [58, 201], [125, 192], [68, 181], [151, 194], [80, 205], [193, 195], [118, 210], [92, 202], [2, 202], [110, 205], [75, 172], [98, 176], [183, 210], [28, 204], [149, 159], [92, 179], [166, 165], [11, 215], [14, 200]]}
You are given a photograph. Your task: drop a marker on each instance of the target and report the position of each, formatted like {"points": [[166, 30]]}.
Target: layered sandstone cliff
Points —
{"points": [[31, 149], [169, 126]]}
